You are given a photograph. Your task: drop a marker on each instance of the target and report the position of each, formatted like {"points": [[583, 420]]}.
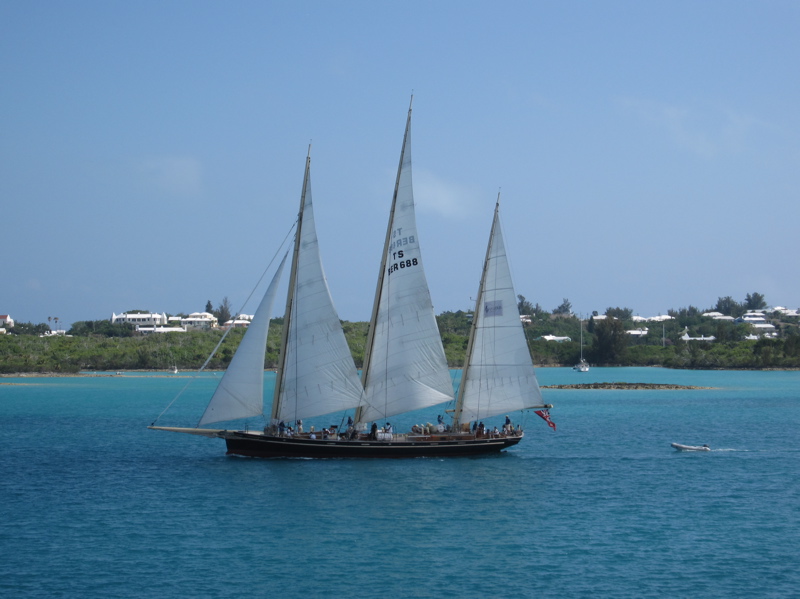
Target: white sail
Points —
{"points": [[405, 367], [318, 375], [240, 393], [499, 375]]}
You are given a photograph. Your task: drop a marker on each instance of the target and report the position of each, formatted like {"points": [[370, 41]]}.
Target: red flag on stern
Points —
{"points": [[545, 415]]}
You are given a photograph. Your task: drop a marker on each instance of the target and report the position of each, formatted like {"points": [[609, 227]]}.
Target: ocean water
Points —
{"points": [[96, 505]]}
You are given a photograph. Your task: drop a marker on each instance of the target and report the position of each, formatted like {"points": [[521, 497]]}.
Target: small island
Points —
{"points": [[616, 386]]}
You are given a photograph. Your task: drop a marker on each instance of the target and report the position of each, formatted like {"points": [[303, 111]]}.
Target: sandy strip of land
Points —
{"points": [[624, 386]]}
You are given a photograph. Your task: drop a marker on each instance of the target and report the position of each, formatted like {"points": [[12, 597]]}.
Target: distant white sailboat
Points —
{"points": [[581, 366]]}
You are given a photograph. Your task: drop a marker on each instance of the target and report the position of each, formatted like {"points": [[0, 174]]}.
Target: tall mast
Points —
{"points": [[382, 273], [475, 318], [276, 397]]}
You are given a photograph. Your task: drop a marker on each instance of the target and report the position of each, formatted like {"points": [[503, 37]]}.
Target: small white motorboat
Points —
{"points": [[680, 447]]}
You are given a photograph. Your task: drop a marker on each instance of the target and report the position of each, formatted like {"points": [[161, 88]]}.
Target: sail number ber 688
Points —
{"points": [[401, 263], [397, 241]]}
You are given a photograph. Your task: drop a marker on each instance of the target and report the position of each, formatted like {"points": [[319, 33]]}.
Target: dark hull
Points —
{"points": [[264, 446]]}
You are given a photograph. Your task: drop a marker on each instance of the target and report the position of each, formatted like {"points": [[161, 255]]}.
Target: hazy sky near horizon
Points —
{"points": [[152, 153]]}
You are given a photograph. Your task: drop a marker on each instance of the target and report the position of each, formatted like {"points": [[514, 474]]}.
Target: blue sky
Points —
{"points": [[152, 153]]}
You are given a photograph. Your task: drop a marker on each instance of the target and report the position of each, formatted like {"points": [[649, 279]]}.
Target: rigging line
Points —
{"points": [[225, 334], [386, 348], [266, 270]]}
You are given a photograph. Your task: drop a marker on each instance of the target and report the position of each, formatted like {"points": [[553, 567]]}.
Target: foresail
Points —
{"points": [[319, 375], [240, 393], [499, 376], [406, 365]]}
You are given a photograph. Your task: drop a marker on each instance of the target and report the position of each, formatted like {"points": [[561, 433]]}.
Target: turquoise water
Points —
{"points": [[96, 505]]}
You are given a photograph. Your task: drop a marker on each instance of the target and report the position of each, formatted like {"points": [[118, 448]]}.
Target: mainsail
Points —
{"points": [[317, 374], [498, 376], [405, 367], [240, 393]]}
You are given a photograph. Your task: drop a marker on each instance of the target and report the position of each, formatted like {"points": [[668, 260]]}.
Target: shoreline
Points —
{"points": [[596, 386], [192, 373]]}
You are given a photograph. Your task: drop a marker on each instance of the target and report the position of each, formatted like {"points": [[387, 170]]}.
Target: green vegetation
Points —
{"points": [[99, 345], [28, 328]]}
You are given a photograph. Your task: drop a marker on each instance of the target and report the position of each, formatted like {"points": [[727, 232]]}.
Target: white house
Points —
{"points": [[638, 332], [659, 318], [241, 322], [160, 329], [752, 317], [139, 320], [718, 316], [6, 321], [199, 320], [554, 338], [59, 333], [766, 329], [700, 338], [758, 322]]}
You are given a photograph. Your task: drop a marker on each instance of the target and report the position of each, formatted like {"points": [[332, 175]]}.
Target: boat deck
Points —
{"points": [[260, 444]]}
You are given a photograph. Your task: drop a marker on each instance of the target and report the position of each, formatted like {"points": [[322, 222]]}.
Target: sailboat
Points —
{"points": [[581, 366], [404, 366]]}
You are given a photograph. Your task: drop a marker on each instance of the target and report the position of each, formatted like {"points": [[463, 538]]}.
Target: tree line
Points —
{"points": [[607, 342], [101, 345]]}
